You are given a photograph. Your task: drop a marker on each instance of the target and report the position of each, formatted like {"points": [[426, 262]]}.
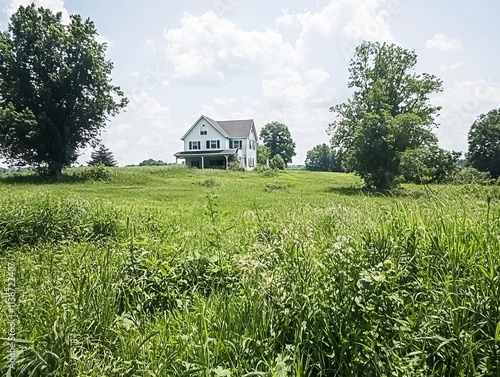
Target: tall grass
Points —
{"points": [[283, 285], [31, 220]]}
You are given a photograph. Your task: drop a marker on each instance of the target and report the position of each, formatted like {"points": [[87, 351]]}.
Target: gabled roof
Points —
{"points": [[227, 128], [237, 128]]}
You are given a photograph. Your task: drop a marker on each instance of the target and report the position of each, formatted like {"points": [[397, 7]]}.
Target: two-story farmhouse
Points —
{"points": [[211, 144]]}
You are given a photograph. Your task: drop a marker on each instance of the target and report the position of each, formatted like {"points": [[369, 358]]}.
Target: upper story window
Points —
{"points": [[203, 129], [213, 144], [252, 144], [193, 145], [235, 144]]}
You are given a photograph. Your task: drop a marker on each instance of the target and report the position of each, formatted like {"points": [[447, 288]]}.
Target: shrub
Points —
{"points": [[428, 164], [277, 162], [93, 173], [236, 166], [209, 182], [266, 171], [470, 175], [273, 187]]}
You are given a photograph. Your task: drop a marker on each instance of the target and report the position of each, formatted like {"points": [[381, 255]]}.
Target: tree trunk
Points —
{"points": [[56, 169]]}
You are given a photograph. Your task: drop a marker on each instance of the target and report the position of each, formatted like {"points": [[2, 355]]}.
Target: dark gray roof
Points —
{"points": [[236, 128]]}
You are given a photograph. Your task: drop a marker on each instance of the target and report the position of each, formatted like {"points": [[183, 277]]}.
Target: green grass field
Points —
{"points": [[173, 272]]}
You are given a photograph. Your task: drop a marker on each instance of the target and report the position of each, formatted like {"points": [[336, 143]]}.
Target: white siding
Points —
{"points": [[251, 153], [212, 134]]}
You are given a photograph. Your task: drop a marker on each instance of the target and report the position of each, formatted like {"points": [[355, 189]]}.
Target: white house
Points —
{"points": [[211, 144]]}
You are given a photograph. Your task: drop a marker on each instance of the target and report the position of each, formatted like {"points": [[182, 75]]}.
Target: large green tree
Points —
{"points": [[277, 139], [484, 143], [388, 113], [102, 156], [323, 158], [55, 89]]}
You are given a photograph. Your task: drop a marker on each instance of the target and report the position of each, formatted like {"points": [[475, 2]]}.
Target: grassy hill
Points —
{"points": [[167, 271]]}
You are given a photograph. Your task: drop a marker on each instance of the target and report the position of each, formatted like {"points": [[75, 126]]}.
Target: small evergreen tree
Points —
{"points": [[102, 156]]}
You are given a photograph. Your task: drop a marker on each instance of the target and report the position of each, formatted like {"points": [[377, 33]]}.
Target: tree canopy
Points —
{"points": [[102, 156], [323, 158], [277, 139], [55, 89], [484, 143], [389, 113]]}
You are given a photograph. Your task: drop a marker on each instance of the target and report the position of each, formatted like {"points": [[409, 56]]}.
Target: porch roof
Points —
{"points": [[214, 153]]}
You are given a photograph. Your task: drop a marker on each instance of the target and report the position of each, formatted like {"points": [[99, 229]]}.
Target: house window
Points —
{"points": [[195, 164], [203, 129], [252, 144], [213, 144], [194, 145], [235, 144]]}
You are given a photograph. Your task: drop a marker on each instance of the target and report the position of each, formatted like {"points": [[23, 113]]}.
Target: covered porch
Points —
{"points": [[218, 159]]}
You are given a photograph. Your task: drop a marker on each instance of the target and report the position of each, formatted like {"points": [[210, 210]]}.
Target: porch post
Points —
{"points": [[227, 160], [202, 162]]}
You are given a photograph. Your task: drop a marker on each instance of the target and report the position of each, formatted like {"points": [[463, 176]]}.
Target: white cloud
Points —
{"points": [[54, 5], [208, 46], [121, 128], [230, 102], [359, 19], [290, 88], [444, 43], [462, 103], [323, 22], [370, 23], [451, 67], [118, 146]]}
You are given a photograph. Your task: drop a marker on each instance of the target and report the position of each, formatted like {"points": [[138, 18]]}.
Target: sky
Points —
{"points": [[284, 61]]}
